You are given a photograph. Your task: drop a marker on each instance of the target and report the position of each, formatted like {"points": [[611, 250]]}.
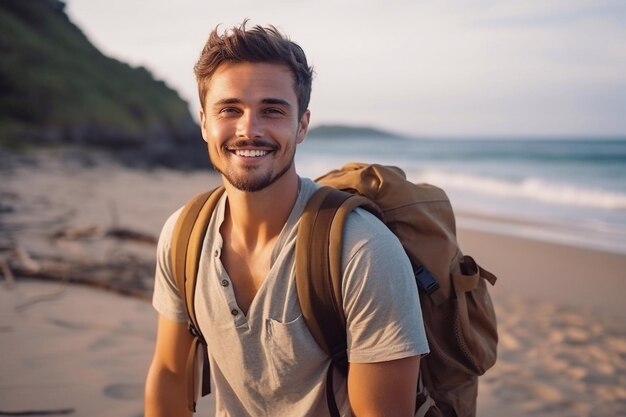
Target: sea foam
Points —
{"points": [[526, 188]]}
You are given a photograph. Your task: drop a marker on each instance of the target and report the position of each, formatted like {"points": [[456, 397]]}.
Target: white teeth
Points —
{"points": [[250, 153]]}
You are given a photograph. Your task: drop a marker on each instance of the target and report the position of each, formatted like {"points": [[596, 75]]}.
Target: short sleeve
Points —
{"points": [[166, 298], [381, 302]]}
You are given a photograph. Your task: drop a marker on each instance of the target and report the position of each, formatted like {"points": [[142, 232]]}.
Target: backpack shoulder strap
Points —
{"points": [[187, 240], [186, 244], [319, 274], [319, 266]]}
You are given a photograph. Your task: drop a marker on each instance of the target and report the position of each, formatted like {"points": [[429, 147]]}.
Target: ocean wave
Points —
{"points": [[528, 188]]}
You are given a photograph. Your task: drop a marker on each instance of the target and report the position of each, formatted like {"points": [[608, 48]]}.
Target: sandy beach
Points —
{"points": [[76, 350], [562, 349]]}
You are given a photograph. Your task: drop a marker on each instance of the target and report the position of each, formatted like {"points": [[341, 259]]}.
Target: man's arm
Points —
{"points": [[166, 383], [383, 388]]}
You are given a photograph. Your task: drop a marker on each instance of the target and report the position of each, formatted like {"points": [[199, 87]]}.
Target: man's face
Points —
{"points": [[250, 123]]}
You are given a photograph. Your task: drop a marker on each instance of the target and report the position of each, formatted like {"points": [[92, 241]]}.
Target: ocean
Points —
{"points": [[568, 191]]}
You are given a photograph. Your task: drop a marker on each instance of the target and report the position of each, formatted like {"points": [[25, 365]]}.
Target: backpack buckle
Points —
{"points": [[425, 280]]}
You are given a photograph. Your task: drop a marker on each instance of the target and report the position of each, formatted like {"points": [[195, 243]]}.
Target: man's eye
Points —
{"points": [[229, 110], [273, 111]]}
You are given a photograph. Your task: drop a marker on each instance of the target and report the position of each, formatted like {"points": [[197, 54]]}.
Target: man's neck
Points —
{"points": [[257, 218]]}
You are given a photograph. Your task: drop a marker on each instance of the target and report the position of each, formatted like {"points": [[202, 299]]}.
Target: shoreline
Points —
{"points": [[541, 230], [97, 167]]}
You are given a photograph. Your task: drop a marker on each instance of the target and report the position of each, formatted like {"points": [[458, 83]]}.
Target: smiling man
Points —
{"points": [[254, 86]]}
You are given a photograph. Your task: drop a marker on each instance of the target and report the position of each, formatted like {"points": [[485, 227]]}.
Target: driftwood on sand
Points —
{"points": [[123, 273], [64, 273], [95, 231], [127, 234], [61, 411]]}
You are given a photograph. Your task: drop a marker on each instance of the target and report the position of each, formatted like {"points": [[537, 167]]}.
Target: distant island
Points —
{"points": [[348, 132]]}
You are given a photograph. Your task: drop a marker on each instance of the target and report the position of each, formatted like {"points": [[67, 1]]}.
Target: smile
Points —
{"points": [[250, 153]]}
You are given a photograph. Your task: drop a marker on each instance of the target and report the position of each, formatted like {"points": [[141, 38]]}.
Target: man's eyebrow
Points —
{"points": [[227, 101], [269, 100], [276, 101]]}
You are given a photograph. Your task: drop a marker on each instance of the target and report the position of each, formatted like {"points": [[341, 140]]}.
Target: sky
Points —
{"points": [[432, 68]]}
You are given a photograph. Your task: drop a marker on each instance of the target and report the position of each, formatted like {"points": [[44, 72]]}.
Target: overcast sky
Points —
{"points": [[424, 68]]}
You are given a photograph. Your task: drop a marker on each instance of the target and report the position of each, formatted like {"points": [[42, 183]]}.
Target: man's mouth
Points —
{"points": [[251, 148], [250, 153]]}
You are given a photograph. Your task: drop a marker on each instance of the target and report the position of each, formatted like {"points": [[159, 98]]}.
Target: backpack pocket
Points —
{"points": [[474, 319], [461, 329], [462, 334]]}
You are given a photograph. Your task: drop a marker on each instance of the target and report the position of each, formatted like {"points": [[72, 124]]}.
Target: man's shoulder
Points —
{"points": [[168, 227], [359, 222], [362, 221], [167, 230]]}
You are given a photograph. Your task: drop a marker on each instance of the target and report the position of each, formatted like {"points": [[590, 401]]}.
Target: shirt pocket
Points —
{"points": [[295, 358]]}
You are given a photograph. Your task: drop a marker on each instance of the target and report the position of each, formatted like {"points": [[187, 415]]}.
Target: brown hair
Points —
{"points": [[261, 45]]}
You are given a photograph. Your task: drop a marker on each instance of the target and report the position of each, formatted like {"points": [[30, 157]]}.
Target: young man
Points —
{"points": [[254, 87]]}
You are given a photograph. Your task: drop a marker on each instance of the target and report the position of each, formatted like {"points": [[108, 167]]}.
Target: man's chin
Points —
{"points": [[247, 184], [250, 182]]}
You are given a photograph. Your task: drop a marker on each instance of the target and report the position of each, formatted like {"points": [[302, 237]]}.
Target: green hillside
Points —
{"points": [[56, 87]]}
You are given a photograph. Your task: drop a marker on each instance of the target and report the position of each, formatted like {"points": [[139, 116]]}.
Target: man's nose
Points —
{"points": [[249, 126]]}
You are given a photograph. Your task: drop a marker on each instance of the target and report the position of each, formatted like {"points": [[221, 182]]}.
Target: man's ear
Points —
{"points": [[303, 126], [202, 126]]}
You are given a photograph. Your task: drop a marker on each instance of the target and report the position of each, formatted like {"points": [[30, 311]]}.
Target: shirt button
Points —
{"points": [[234, 311], [216, 253], [225, 283]]}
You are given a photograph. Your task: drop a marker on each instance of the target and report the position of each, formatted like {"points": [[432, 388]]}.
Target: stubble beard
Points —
{"points": [[252, 183]]}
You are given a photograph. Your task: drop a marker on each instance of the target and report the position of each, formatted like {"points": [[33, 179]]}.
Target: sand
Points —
{"points": [[84, 351], [73, 348], [561, 321]]}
